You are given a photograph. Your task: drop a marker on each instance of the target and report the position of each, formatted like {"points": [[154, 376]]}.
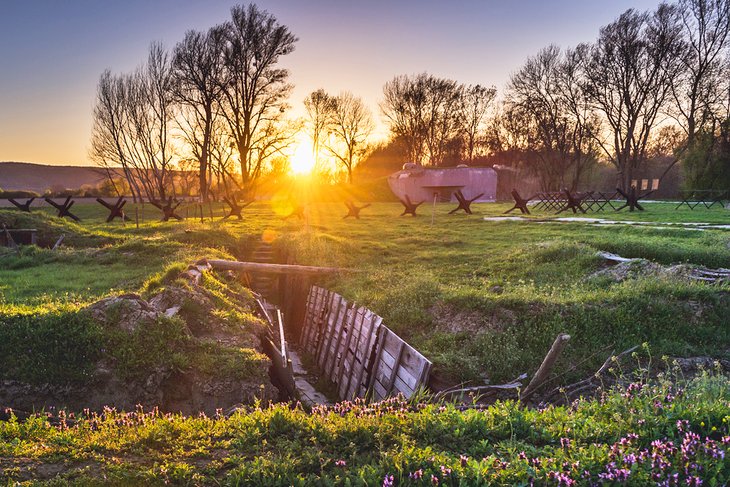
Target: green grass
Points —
{"points": [[625, 432], [480, 298]]}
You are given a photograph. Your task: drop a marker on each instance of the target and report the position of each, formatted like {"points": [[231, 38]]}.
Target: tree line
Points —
{"points": [[653, 83], [216, 106]]}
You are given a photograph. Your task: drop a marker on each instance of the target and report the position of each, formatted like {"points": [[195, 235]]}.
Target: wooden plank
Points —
{"points": [[391, 379], [324, 318], [407, 378], [383, 374], [367, 355], [361, 354], [328, 328], [337, 329], [356, 352], [345, 330], [307, 325], [317, 318], [412, 361], [376, 360], [387, 359], [402, 388], [349, 366], [379, 391], [310, 327]]}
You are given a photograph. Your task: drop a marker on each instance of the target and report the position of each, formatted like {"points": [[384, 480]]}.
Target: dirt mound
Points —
{"points": [[619, 269], [127, 311], [217, 360], [632, 269]]}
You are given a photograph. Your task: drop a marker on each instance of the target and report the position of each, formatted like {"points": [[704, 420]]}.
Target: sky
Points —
{"points": [[52, 52]]}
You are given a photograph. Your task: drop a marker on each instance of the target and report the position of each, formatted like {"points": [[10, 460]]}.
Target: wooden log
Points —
{"points": [[547, 366], [232, 265]]}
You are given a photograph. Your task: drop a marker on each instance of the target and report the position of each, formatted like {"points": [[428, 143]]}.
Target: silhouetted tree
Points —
{"points": [[318, 105], [349, 124], [254, 89], [629, 78], [423, 112], [133, 115], [475, 103], [110, 129], [197, 68], [546, 94], [700, 89]]}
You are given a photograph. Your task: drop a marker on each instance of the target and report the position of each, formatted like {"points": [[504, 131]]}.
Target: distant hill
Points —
{"points": [[25, 176]]}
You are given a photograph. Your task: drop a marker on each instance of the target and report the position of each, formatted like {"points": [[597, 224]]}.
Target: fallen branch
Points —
{"points": [[588, 382], [514, 384]]}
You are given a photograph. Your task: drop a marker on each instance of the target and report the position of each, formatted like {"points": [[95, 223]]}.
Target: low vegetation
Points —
{"points": [[659, 433]]}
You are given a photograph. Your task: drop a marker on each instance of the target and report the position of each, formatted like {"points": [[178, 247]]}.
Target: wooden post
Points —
{"points": [[546, 367], [202, 216], [136, 216], [59, 241], [210, 210], [433, 211]]}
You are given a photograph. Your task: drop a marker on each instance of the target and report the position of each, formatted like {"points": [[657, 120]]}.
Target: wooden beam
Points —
{"points": [[232, 265]]}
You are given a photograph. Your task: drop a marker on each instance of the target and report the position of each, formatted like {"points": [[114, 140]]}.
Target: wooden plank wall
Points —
{"points": [[356, 352]]}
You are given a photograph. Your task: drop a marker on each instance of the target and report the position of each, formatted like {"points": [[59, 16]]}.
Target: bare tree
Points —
{"points": [[422, 112], [133, 116], [475, 103], [150, 107], [222, 161], [110, 129], [349, 124], [698, 91], [629, 78], [403, 106], [254, 90], [547, 94], [197, 67], [319, 107]]}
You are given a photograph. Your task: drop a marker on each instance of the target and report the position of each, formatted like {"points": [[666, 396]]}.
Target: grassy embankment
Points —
{"points": [[481, 299]]}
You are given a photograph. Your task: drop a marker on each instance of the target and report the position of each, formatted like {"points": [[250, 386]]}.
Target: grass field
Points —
{"points": [[482, 299]]}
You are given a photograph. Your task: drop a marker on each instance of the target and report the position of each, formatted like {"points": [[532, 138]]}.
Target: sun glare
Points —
{"points": [[302, 159]]}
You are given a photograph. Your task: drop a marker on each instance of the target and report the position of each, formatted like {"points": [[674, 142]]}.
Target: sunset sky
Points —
{"points": [[52, 52]]}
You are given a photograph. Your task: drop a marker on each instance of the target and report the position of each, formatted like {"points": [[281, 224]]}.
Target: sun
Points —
{"points": [[302, 159]]}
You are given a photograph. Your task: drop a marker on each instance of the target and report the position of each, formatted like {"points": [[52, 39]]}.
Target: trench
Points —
{"points": [[281, 301]]}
